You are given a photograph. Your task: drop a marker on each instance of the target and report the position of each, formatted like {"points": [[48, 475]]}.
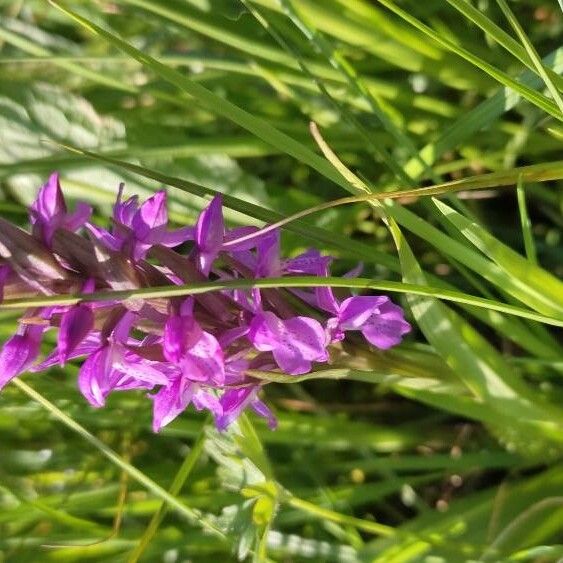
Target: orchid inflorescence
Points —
{"points": [[195, 349]]}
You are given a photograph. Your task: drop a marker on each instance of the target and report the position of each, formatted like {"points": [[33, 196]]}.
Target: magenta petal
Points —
{"points": [[123, 212], [140, 369], [387, 328], [355, 311], [204, 361], [94, 376], [170, 401], [105, 237], [269, 261], [75, 325], [49, 202], [233, 402], [262, 409], [90, 344], [174, 238], [19, 352], [294, 342], [81, 216], [209, 233], [203, 400], [151, 215], [180, 334]]}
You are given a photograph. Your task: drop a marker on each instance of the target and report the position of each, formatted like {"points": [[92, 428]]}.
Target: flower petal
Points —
{"points": [[19, 352], [209, 233], [387, 328], [170, 401], [355, 311], [76, 323], [151, 215]]}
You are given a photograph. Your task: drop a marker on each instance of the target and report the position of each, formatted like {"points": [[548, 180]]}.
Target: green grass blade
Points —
{"points": [[476, 362], [532, 53], [544, 291], [133, 472], [529, 94], [179, 480], [479, 118], [529, 244], [293, 281], [215, 103], [503, 39]]}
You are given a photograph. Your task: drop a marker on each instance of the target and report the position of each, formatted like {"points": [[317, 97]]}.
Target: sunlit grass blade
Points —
{"points": [[297, 281], [533, 96], [479, 117], [179, 480], [512, 46], [529, 244], [544, 291], [532, 53]]}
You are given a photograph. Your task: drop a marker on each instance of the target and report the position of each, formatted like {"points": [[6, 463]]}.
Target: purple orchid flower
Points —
{"points": [[294, 343], [235, 401], [197, 352], [49, 212], [381, 322], [211, 237], [76, 323], [115, 366], [136, 228], [200, 351], [20, 351]]}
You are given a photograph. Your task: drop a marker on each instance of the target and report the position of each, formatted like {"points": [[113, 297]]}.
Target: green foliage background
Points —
{"points": [[447, 448]]}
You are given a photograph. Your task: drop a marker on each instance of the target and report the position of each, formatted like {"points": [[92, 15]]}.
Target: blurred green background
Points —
{"points": [[445, 449]]}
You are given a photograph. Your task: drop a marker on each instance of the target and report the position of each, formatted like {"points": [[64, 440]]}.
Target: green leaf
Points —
{"points": [[530, 283]]}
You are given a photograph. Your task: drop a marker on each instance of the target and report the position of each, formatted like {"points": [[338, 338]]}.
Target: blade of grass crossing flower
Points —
{"points": [[529, 244], [529, 94], [532, 53], [352, 248], [293, 281], [134, 473], [544, 291], [215, 103]]}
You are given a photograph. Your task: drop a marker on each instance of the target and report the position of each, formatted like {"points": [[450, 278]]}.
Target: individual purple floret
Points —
{"points": [[136, 228], [49, 212], [199, 350]]}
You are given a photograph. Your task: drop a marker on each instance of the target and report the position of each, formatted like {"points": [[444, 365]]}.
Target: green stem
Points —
{"points": [[117, 460], [177, 484]]}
